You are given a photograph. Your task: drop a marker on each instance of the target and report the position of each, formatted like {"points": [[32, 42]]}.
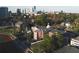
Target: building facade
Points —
{"points": [[34, 9], [3, 11], [18, 12]]}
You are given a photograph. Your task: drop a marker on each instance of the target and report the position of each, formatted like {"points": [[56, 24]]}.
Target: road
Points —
{"points": [[5, 27]]}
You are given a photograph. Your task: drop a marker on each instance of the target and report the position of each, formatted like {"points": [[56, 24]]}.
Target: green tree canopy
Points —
{"points": [[41, 19]]}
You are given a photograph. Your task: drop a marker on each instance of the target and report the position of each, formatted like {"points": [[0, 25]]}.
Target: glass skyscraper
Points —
{"points": [[3, 11]]}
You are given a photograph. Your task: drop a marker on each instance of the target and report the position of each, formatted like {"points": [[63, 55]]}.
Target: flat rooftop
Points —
{"points": [[68, 49]]}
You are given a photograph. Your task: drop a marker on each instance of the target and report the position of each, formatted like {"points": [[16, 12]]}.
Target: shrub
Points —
{"points": [[43, 46], [47, 45]]}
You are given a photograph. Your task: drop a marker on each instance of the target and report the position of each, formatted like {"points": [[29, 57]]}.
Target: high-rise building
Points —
{"points": [[3, 11], [18, 11], [25, 11], [10, 13], [34, 9]]}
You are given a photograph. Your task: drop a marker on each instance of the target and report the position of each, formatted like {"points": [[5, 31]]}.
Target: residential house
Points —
{"points": [[37, 33]]}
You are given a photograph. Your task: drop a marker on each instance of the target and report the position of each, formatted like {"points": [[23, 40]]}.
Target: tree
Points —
{"points": [[47, 45], [41, 19], [75, 25], [43, 46]]}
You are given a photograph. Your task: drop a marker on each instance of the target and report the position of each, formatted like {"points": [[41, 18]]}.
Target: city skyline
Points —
{"points": [[69, 9]]}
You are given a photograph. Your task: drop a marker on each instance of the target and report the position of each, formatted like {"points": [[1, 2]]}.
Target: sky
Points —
{"points": [[71, 9]]}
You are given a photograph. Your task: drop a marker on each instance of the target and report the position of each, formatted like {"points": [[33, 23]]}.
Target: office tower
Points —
{"points": [[34, 9], [25, 11], [18, 12], [3, 11], [10, 13]]}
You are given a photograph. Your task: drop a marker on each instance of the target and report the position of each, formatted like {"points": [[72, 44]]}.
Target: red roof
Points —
{"points": [[5, 38]]}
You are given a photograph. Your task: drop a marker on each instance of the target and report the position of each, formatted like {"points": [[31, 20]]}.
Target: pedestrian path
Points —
{"points": [[36, 42]]}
